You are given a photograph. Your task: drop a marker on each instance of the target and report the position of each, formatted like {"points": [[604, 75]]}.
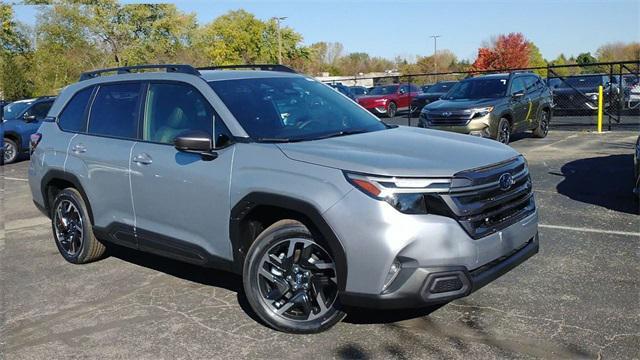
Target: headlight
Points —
{"points": [[479, 112], [404, 194]]}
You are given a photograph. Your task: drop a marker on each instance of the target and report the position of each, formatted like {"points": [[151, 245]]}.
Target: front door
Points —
{"points": [[181, 200], [520, 104]]}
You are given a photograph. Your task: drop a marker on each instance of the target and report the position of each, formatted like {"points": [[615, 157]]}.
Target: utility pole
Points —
{"points": [[435, 52], [278, 19]]}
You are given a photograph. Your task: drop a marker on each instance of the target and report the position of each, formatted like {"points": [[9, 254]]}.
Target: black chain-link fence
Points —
{"points": [[575, 91]]}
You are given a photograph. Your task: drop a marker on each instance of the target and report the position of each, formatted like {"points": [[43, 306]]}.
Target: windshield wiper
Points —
{"points": [[341, 133]]}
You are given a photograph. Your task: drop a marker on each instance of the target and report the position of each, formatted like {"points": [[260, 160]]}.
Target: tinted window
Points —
{"points": [[172, 109], [115, 111], [40, 110], [292, 108], [72, 117], [517, 85], [530, 83], [478, 88]]}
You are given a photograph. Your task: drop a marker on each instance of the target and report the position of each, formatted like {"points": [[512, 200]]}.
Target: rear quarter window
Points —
{"points": [[73, 116]]}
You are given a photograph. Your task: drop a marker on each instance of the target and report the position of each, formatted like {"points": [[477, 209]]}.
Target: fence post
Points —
{"points": [[600, 109]]}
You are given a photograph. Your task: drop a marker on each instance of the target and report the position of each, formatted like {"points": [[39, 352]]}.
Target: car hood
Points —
{"points": [[367, 99], [460, 104], [401, 151]]}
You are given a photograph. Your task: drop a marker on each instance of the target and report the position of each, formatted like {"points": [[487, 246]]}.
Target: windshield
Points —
{"points": [[359, 90], [384, 90], [292, 109], [440, 88], [478, 89], [13, 110]]}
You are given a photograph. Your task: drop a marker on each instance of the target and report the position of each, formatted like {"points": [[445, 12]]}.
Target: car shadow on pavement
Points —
{"points": [[185, 271], [605, 181]]}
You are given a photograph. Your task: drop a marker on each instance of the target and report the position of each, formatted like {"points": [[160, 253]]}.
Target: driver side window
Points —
{"points": [[517, 86], [172, 109]]}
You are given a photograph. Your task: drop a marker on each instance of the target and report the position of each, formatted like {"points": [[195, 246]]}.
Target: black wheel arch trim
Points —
{"points": [[244, 207], [17, 137], [55, 174]]}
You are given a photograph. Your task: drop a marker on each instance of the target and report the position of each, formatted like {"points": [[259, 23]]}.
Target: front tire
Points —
{"points": [[10, 151], [72, 230], [542, 129], [392, 109], [290, 280], [504, 131]]}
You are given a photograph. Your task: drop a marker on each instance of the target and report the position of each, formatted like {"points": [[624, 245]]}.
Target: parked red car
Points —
{"points": [[389, 99]]}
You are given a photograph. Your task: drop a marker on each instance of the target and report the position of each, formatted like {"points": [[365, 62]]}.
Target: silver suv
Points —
{"points": [[273, 175]]}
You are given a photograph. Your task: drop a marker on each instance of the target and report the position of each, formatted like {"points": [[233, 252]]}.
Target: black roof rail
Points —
{"points": [[179, 68], [264, 67]]}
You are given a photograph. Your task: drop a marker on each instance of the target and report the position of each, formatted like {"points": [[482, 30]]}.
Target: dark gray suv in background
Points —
{"points": [[493, 106]]}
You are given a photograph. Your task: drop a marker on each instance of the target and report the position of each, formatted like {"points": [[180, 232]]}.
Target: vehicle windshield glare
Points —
{"points": [[292, 109], [582, 81], [13, 110], [384, 90], [478, 89]]}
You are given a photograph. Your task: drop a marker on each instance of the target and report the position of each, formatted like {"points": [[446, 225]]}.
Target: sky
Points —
{"points": [[402, 28]]}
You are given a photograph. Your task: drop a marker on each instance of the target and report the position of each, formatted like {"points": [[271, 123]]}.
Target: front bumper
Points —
{"points": [[377, 235], [417, 287]]}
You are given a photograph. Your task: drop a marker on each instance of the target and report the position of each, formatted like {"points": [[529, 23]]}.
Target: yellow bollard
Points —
{"points": [[600, 108]]}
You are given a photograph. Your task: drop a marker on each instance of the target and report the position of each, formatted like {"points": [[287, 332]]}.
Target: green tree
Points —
{"points": [[536, 59], [15, 57]]}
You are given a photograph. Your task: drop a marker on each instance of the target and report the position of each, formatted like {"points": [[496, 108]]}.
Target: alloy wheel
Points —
{"points": [[504, 133], [391, 110], [297, 280], [68, 225], [544, 124], [9, 152]]}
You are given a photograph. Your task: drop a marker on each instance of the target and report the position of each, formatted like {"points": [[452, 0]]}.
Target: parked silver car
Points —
{"points": [[275, 176]]}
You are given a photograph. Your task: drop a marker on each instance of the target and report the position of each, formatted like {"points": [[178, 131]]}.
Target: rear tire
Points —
{"points": [[542, 129], [392, 109], [504, 131], [11, 151], [290, 280], [72, 230]]}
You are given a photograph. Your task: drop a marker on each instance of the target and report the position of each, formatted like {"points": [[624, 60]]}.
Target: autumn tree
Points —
{"points": [[509, 51]]}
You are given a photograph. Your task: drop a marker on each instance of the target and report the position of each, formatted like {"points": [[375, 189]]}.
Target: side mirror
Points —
{"points": [[402, 91], [196, 142], [517, 95], [28, 118]]}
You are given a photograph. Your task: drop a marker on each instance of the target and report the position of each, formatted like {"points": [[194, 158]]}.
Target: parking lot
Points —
{"points": [[579, 297]]}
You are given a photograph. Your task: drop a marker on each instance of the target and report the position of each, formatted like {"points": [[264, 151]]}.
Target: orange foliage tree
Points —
{"points": [[509, 51]]}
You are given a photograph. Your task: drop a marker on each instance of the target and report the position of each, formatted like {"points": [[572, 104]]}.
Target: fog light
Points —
{"points": [[394, 270]]}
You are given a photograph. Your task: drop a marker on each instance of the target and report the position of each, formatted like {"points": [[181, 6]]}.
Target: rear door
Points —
{"points": [[181, 201], [100, 156]]}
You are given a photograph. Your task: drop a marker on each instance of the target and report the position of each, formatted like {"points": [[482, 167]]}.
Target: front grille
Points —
{"points": [[456, 117], [481, 206]]}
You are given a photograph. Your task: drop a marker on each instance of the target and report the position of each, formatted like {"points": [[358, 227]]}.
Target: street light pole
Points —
{"points": [[278, 19], [435, 52]]}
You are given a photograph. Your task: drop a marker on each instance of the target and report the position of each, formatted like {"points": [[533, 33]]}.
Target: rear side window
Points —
{"points": [[115, 111], [530, 83], [72, 117]]}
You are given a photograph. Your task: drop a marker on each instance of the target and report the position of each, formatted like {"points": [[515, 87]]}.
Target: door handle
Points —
{"points": [[143, 159], [79, 148]]}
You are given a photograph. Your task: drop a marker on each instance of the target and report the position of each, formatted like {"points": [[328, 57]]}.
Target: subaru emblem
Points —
{"points": [[446, 113], [505, 181]]}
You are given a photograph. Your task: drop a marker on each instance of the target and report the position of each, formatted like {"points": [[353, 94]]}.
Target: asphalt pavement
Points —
{"points": [[578, 298]]}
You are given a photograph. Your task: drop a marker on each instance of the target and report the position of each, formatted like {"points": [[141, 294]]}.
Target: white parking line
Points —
{"points": [[14, 179], [599, 231]]}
